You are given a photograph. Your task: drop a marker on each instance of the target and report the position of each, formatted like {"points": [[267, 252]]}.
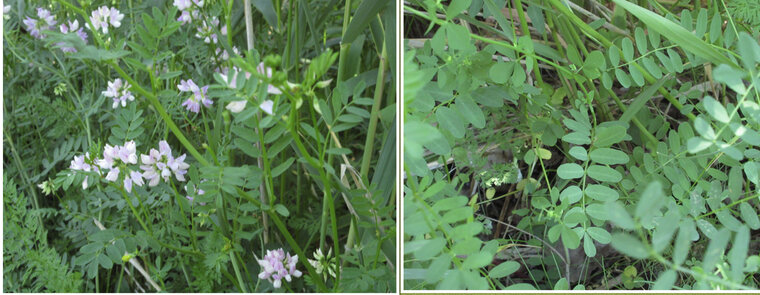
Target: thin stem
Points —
{"points": [[369, 144]]}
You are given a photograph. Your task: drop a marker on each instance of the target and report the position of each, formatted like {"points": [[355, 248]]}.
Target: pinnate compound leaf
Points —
{"points": [[675, 33]]}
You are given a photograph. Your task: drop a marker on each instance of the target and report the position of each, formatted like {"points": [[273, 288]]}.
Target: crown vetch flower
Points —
{"points": [[278, 265], [103, 17], [160, 163], [72, 27], [199, 97], [206, 31], [264, 70], [119, 91], [322, 263], [197, 191], [114, 157], [189, 9], [82, 163], [46, 21]]}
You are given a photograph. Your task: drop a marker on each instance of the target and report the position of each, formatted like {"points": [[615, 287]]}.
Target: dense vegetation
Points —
{"points": [[199, 146], [594, 144]]}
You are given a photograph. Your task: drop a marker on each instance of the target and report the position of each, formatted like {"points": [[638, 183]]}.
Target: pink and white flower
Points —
{"points": [[103, 17], [45, 21], [82, 163], [206, 31], [278, 265], [119, 91], [193, 103], [70, 28], [160, 163]]}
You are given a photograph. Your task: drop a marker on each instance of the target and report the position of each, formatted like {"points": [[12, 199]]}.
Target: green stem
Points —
{"points": [[369, 144], [344, 47], [237, 273]]}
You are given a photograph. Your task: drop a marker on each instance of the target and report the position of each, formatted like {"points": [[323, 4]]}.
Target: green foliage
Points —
{"points": [[635, 138], [256, 181], [29, 263]]}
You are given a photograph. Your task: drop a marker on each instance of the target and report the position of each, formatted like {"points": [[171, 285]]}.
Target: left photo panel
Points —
{"points": [[238, 146]]}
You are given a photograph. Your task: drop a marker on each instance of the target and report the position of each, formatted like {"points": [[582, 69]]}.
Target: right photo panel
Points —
{"points": [[580, 145]]}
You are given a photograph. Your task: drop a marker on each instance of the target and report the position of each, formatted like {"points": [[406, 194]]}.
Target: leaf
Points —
{"points": [[599, 234], [715, 249], [588, 246], [749, 215], [570, 171], [623, 78], [675, 33], [477, 260], [683, 242], [456, 7], [665, 281], [715, 109], [627, 49], [629, 245], [641, 100], [608, 156], [571, 194], [570, 238], [470, 111], [614, 54], [578, 138], [601, 193], [731, 77], [579, 153], [597, 211], [749, 50], [636, 75], [562, 284], [641, 41], [504, 269], [619, 216], [609, 135], [604, 174], [748, 135], [738, 253], [704, 129], [366, 12], [696, 144], [500, 72], [276, 171], [651, 200], [450, 120]]}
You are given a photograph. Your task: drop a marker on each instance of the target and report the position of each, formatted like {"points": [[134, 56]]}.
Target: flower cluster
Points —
{"points": [[231, 78], [322, 263], [86, 164], [45, 21], [206, 30], [197, 191], [119, 91], [190, 9], [105, 16], [71, 28], [193, 103], [160, 163], [117, 158], [278, 265]]}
